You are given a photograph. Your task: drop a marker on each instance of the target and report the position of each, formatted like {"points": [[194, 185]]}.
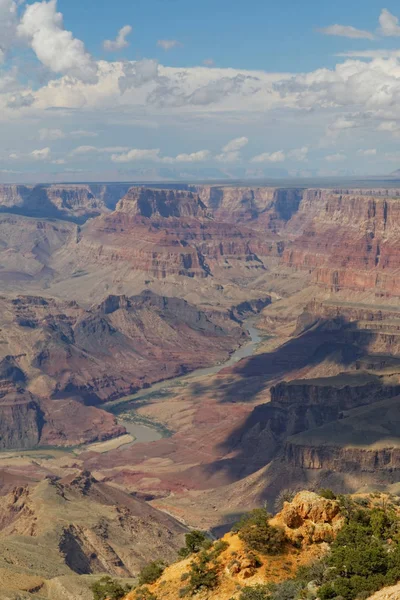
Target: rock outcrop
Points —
{"points": [[110, 350], [68, 201]]}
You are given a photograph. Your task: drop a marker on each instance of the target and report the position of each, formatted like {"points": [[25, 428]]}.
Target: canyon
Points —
{"points": [[109, 289]]}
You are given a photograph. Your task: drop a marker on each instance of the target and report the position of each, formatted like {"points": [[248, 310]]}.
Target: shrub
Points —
{"points": [[201, 575], [194, 542], [287, 590], [144, 594], [151, 572], [218, 548], [359, 556], [107, 588], [256, 592], [327, 494], [256, 532]]}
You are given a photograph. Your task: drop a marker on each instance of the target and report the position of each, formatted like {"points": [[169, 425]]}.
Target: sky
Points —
{"points": [[104, 90]]}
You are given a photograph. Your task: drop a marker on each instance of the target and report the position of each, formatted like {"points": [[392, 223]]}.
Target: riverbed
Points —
{"points": [[147, 433]]}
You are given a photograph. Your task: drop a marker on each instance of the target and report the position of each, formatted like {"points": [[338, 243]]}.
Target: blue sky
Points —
{"points": [[252, 34], [307, 88]]}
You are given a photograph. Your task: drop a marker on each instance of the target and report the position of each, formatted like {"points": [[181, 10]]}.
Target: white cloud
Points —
{"points": [[299, 154], [231, 151], [370, 54], [8, 25], [120, 41], [269, 157], [138, 74], [339, 157], [59, 161], [42, 27], [41, 154], [82, 150], [390, 126], [347, 31], [137, 155], [209, 62], [368, 152], [168, 44], [389, 24], [194, 157], [20, 100], [79, 133], [228, 157], [51, 134], [235, 144]]}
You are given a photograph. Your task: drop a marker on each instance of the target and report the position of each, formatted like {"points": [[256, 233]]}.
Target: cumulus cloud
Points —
{"points": [[42, 28], [390, 126], [347, 31], [8, 25], [299, 154], [41, 154], [338, 157], [20, 100], [389, 24], [82, 150], [120, 41], [138, 74], [194, 157], [269, 157], [78, 133], [367, 152], [153, 155], [209, 62], [51, 134], [235, 144], [231, 151], [137, 154], [168, 44]]}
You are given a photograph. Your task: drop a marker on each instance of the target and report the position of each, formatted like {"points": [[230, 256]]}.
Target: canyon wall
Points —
{"points": [[349, 239], [76, 202]]}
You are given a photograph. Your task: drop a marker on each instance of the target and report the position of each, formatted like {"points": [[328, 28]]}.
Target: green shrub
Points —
{"points": [[287, 590], [201, 575], [327, 494], [108, 588], [256, 532], [151, 572], [256, 592], [360, 558], [218, 548], [194, 542]]}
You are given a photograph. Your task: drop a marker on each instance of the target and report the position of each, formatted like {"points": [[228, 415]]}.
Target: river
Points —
{"points": [[146, 433]]}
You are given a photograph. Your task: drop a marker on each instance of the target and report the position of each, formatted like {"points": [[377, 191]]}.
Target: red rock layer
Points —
{"points": [[350, 241]]}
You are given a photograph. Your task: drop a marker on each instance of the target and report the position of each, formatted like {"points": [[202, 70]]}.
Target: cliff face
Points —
{"points": [[349, 239], [266, 207], [172, 233], [148, 202], [74, 202]]}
